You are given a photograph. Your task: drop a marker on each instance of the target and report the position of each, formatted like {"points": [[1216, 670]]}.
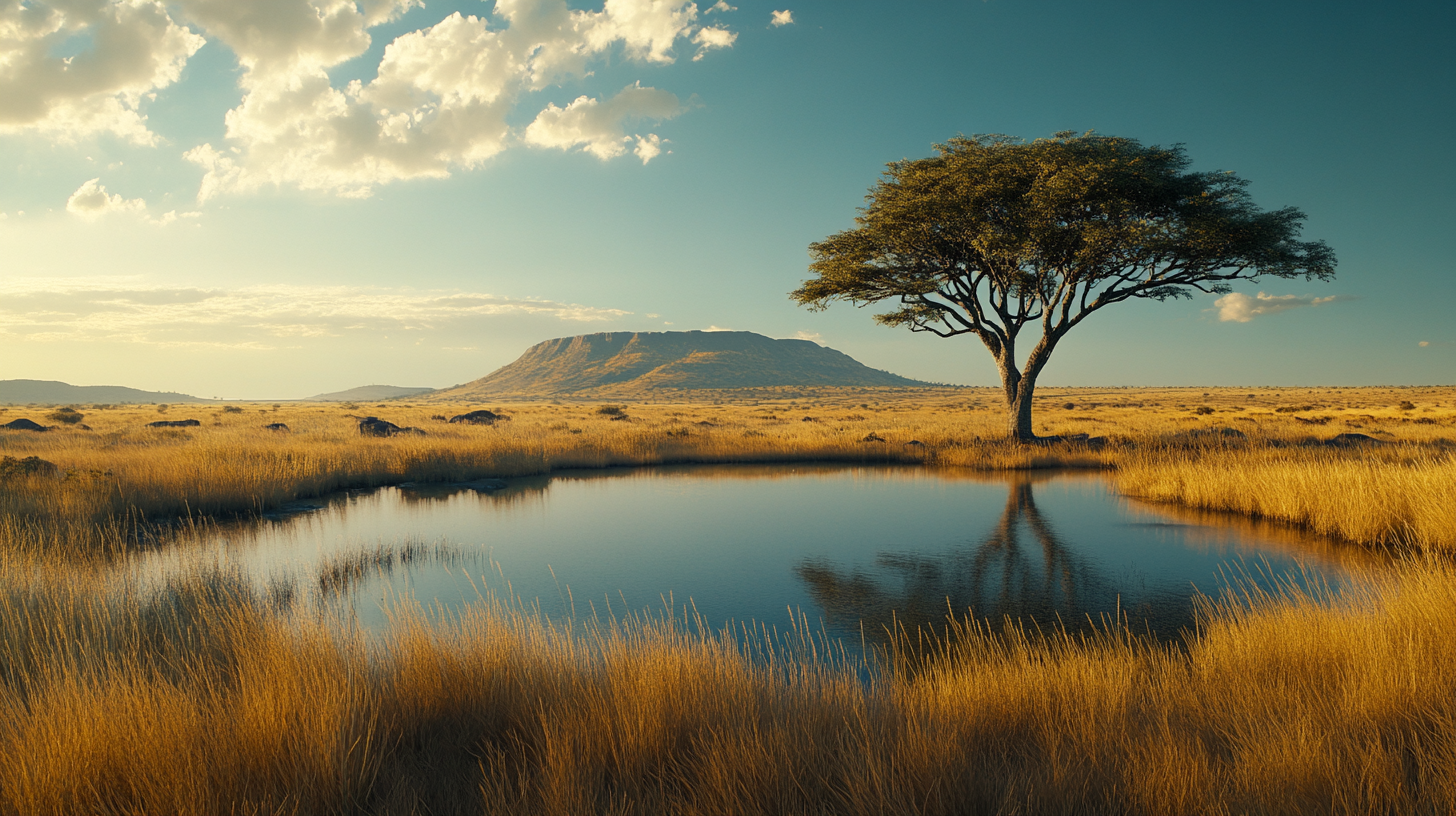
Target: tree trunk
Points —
{"points": [[1021, 385], [1018, 414], [1018, 386]]}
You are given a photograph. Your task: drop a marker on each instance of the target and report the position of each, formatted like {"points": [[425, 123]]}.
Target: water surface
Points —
{"points": [[853, 549]]}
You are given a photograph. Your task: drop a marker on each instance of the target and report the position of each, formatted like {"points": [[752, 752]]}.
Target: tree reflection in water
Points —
{"points": [[1021, 571]]}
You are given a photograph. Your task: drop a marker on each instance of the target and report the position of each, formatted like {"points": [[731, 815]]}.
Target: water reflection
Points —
{"points": [[1019, 570], [1023, 571], [858, 547]]}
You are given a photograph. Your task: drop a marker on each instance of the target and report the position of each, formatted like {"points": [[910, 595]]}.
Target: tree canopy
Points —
{"points": [[995, 233]]}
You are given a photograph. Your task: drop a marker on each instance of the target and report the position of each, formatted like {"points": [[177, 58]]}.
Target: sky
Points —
{"points": [[276, 198]]}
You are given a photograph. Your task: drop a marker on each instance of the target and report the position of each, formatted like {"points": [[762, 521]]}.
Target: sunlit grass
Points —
{"points": [[201, 695], [196, 698], [120, 476]]}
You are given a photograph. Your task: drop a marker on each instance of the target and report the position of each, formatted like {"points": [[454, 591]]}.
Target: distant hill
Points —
{"points": [[626, 363], [22, 392], [370, 392]]}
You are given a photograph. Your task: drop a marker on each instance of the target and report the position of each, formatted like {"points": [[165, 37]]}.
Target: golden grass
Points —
{"points": [[1397, 497], [197, 699], [120, 479]]}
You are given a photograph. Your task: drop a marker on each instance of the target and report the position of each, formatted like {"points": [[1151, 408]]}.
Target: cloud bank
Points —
{"points": [[113, 310], [51, 84], [442, 98], [442, 95], [1240, 308]]}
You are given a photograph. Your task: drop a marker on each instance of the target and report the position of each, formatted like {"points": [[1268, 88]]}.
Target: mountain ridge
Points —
{"points": [[26, 392], [369, 392], [626, 363]]}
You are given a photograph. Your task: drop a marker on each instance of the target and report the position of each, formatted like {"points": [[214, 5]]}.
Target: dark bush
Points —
{"points": [[29, 466], [1203, 410], [231, 409], [65, 416], [611, 410], [1407, 406]]}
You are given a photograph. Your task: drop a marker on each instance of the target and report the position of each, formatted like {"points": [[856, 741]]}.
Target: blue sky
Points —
{"points": [[196, 197]]}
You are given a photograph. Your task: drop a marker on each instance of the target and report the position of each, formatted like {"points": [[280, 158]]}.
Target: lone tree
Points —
{"points": [[995, 233]]}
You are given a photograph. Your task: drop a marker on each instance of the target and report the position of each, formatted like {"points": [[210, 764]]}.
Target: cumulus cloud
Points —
{"points": [[710, 37], [102, 309], [598, 127], [90, 201], [1240, 308], [442, 96], [812, 337], [72, 68], [1424, 343], [721, 7], [781, 18]]}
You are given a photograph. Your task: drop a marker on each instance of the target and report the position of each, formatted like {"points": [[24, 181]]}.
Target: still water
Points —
{"points": [[850, 549]]}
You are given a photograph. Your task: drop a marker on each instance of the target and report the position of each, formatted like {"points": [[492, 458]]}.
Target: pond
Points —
{"points": [[849, 549]]}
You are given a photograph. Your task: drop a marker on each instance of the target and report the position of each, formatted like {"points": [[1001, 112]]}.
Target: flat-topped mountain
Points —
{"points": [[622, 363], [50, 392], [370, 392]]}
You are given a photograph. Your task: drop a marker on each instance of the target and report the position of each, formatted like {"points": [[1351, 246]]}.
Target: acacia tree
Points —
{"points": [[994, 234]]}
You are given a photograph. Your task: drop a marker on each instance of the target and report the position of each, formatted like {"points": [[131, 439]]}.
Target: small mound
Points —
{"points": [[477, 418], [23, 424]]}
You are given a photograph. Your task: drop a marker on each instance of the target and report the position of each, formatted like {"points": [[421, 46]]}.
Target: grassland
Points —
{"points": [[200, 697], [1171, 445]]}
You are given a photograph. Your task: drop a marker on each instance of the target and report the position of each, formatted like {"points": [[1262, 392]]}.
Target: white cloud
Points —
{"points": [[128, 49], [782, 18], [710, 37], [597, 127], [90, 201], [721, 7], [716, 329], [648, 147], [813, 337], [112, 309], [441, 97], [1240, 308], [1424, 343]]}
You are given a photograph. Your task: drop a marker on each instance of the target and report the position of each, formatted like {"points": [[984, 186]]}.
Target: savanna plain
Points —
{"points": [[198, 694]]}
